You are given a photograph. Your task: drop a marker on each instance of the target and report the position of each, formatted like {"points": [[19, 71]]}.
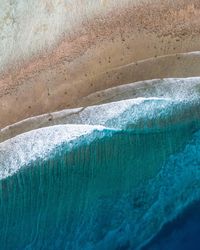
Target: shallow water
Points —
{"points": [[104, 187]]}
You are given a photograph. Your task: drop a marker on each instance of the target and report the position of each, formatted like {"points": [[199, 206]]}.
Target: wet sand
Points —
{"points": [[95, 56]]}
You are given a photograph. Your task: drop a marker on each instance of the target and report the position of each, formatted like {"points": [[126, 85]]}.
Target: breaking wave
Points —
{"points": [[108, 179]]}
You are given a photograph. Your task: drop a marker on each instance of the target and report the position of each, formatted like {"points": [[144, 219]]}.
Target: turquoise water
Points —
{"points": [[111, 187]]}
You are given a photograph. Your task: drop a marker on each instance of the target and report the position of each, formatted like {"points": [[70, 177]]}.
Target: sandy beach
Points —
{"points": [[95, 54], [99, 124]]}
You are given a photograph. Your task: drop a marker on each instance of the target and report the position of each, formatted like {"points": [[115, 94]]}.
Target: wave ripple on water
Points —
{"points": [[108, 180]]}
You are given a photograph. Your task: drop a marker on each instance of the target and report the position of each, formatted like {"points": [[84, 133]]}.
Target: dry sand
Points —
{"points": [[94, 57]]}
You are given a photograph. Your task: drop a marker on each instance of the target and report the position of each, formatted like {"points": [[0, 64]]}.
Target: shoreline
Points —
{"points": [[135, 90], [80, 64]]}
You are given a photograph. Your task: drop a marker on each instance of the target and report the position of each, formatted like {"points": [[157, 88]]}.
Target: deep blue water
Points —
{"points": [[182, 233]]}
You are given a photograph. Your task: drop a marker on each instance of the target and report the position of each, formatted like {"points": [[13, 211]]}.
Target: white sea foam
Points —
{"points": [[103, 114], [131, 113], [146, 99], [19, 151]]}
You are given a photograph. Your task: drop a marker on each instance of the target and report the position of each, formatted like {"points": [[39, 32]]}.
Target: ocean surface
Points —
{"points": [[124, 175]]}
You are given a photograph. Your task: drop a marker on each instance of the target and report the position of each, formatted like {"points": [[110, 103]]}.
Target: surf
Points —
{"points": [[109, 176]]}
